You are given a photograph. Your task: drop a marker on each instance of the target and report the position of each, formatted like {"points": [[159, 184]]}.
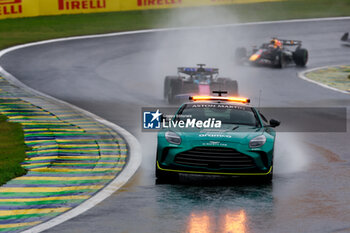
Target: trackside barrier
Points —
{"points": [[31, 8]]}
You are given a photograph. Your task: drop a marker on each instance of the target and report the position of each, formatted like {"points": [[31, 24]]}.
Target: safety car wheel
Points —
{"points": [[166, 177]]}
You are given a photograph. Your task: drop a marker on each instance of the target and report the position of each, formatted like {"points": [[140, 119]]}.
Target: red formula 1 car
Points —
{"points": [[278, 53]]}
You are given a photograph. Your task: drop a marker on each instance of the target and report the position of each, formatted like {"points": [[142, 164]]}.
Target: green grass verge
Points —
{"points": [[18, 31], [12, 150], [337, 77]]}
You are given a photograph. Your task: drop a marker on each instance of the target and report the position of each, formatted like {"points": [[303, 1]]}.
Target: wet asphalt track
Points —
{"points": [[114, 77]]}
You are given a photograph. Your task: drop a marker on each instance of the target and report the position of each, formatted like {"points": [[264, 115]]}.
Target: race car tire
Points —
{"points": [[174, 89], [240, 55], [232, 87], [167, 85], [164, 177], [300, 57], [225, 84]]}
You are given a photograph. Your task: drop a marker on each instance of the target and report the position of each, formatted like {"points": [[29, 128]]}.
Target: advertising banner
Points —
{"points": [[18, 8], [30, 8], [159, 4]]}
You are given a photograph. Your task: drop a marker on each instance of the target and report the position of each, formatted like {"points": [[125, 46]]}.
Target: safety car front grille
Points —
{"points": [[214, 157]]}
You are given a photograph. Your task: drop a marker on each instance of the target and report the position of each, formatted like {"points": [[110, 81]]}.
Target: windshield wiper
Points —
{"points": [[236, 127]]}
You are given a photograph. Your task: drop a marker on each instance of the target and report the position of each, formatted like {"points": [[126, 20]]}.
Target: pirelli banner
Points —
{"points": [[30, 8]]}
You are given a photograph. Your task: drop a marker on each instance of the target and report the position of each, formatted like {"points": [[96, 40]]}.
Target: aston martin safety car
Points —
{"points": [[196, 81], [219, 136], [278, 53]]}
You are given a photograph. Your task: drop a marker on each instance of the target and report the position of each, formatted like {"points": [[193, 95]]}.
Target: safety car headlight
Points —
{"points": [[258, 141], [173, 137]]}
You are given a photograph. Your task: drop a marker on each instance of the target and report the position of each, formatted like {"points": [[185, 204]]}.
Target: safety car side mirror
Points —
{"points": [[274, 123]]}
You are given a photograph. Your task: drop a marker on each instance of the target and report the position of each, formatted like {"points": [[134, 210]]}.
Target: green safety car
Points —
{"points": [[216, 135]]}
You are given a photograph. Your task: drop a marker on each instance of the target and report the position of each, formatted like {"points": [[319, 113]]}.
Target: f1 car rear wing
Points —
{"points": [[291, 42], [198, 70]]}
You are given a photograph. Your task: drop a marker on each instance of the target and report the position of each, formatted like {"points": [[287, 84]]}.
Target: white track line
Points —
{"points": [[134, 147], [303, 76]]}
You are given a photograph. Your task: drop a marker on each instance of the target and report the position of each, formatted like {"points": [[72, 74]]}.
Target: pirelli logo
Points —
{"points": [[4, 2], [158, 2], [10, 7], [81, 4]]}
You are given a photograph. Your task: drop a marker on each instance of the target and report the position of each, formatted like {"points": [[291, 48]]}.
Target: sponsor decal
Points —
{"points": [[81, 4], [225, 106], [214, 143], [192, 123], [215, 135], [10, 7], [158, 2], [153, 120]]}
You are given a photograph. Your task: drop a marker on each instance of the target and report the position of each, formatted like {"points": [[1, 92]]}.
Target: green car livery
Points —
{"points": [[217, 136]]}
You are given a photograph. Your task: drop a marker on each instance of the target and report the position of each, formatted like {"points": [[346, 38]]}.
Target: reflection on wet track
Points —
{"points": [[199, 222], [225, 208], [230, 222]]}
